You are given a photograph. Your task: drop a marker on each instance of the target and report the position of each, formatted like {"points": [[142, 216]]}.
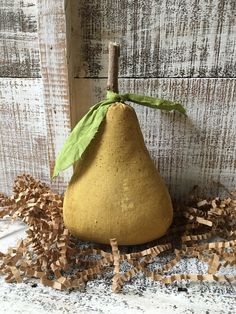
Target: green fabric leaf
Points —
{"points": [[87, 127], [81, 136], [152, 102], [156, 103]]}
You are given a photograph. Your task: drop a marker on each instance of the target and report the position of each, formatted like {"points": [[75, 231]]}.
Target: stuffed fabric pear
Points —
{"points": [[115, 191]]}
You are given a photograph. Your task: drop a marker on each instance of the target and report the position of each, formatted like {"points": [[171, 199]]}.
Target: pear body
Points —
{"points": [[116, 191]]}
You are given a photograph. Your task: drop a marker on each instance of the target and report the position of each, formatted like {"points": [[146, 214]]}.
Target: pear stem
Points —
{"points": [[113, 67]]}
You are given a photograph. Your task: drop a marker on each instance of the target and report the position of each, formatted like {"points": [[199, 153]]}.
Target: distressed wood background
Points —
{"points": [[178, 49], [34, 97]]}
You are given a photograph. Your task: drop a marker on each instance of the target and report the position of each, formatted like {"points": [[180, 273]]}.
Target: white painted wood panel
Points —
{"points": [[159, 38], [19, 49], [52, 43], [34, 113], [23, 131], [198, 150], [171, 38]]}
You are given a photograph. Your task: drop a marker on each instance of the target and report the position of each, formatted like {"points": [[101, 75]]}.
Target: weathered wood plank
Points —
{"points": [[52, 40], [18, 16], [199, 150], [35, 110], [23, 131], [19, 48], [159, 38]]}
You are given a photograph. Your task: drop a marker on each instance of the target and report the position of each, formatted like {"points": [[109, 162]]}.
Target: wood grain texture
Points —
{"points": [[19, 49], [169, 38], [159, 38], [23, 131], [34, 113], [198, 150], [52, 41], [71, 22]]}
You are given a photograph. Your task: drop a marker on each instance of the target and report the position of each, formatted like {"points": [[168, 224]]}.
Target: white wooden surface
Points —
{"points": [[23, 130], [163, 43], [159, 38], [52, 44], [19, 50], [176, 49], [34, 112]]}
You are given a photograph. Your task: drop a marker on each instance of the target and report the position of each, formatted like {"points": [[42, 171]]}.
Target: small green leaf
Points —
{"points": [[156, 103], [81, 136]]}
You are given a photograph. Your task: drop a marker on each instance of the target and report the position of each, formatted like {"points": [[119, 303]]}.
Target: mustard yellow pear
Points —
{"points": [[116, 191]]}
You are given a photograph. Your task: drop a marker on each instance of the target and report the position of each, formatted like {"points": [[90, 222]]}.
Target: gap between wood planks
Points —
{"points": [[153, 77], [21, 77], [126, 77]]}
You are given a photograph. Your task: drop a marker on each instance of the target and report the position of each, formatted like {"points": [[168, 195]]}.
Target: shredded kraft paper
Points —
{"points": [[52, 255]]}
